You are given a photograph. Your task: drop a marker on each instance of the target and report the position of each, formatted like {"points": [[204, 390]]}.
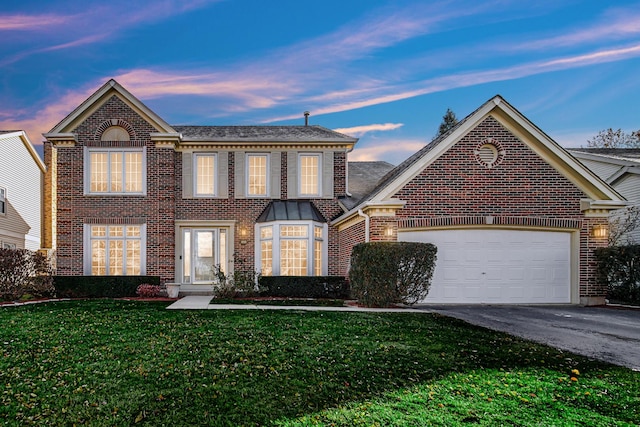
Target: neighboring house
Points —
{"points": [[620, 168], [21, 182], [514, 216], [512, 213]]}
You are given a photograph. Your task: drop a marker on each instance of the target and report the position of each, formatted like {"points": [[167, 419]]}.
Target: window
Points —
{"points": [[257, 173], [7, 245], [3, 201], [292, 249], [115, 250], [116, 171], [205, 176], [309, 174]]}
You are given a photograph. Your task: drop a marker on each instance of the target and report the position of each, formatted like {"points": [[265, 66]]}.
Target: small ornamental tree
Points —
{"points": [[24, 272], [383, 273]]}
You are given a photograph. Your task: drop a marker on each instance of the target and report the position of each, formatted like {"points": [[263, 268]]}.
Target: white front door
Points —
{"points": [[203, 249], [476, 266]]}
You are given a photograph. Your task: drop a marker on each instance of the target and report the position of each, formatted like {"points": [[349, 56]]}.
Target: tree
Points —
{"points": [[610, 138], [449, 120], [621, 225]]}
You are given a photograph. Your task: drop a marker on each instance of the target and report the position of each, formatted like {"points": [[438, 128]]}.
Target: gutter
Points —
{"points": [[366, 225]]}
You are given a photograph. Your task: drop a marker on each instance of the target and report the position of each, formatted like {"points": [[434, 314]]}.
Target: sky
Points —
{"points": [[382, 71]]}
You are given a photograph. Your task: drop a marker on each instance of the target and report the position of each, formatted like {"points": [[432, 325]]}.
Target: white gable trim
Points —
{"points": [[93, 102]]}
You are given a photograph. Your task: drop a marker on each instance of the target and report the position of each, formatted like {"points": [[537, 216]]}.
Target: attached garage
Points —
{"points": [[499, 266]]}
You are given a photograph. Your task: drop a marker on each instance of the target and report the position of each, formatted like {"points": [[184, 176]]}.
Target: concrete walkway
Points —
{"points": [[199, 302]]}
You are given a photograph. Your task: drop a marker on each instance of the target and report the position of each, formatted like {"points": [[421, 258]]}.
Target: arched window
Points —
{"points": [[115, 133]]}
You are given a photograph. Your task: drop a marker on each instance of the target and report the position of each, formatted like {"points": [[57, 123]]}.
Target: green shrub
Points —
{"points": [[101, 286], [383, 273], [619, 268], [24, 273], [335, 287]]}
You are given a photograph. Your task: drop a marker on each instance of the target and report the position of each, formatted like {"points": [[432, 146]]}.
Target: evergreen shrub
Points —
{"points": [[384, 273], [335, 287], [619, 268]]}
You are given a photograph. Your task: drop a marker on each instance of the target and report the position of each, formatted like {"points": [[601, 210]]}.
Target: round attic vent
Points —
{"points": [[489, 153]]}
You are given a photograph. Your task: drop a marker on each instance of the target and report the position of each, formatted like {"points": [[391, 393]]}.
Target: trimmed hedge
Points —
{"points": [[619, 268], [384, 273], [335, 287], [100, 286]]}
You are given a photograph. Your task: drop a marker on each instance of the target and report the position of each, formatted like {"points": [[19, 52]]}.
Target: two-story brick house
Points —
{"points": [[515, 217], [137, 196]]}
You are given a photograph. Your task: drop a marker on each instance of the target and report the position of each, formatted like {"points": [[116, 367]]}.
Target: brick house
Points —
{"points": [[514, 216], [133, 195]]}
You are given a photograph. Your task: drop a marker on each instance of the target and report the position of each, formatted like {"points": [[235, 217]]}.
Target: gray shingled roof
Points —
{"points": [[363, 177], [312, 133], [8, 131], [617, 153]]}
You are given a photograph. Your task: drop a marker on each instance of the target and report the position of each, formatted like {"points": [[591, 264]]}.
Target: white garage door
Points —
{"points": [[498, 266]]}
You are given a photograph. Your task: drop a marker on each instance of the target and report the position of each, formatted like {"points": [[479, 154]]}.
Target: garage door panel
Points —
{"points": [[498, 266]]}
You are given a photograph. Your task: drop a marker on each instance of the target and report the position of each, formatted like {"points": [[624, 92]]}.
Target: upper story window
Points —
{"points": [[116, 171], [205, 175], [3, 201], [309, 168], [257, 175]]}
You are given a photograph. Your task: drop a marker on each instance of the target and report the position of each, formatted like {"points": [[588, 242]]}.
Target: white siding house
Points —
{"points": [[620, 168], [21, 180]]}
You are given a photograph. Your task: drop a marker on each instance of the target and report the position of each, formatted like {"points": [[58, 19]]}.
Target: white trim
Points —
{"points": [[3, 199], [86, 246], [318, 156], [267, 176], [109, 150], [29, 146], [275, 248], [194, 168]]}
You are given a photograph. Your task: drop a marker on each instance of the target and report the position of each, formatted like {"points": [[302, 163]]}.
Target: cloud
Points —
{"points": [[358, 131], [392, 151], [32, 22]]}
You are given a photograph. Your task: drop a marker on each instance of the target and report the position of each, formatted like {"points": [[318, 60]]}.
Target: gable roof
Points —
{"points": [[6, 134], [99, 97], [627, 160], [515, 122]]}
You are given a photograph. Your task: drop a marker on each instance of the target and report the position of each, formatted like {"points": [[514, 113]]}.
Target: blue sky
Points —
{"points": [[383, 71]]}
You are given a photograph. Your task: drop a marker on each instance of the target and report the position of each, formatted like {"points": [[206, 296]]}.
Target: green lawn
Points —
{"points": [[112, 363]]}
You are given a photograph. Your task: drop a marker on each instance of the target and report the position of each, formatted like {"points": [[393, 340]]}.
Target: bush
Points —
{"points": [[619, 268], [240, 284], [101, 286], [383, 273], [335, 287], [148, 291], [24, 272]]}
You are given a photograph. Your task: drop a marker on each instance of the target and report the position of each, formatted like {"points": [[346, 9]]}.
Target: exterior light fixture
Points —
{"points": [[388, 231], [600, 231]]}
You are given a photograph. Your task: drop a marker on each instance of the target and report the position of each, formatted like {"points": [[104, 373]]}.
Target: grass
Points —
{"points": [[281, 301], [119, 363]]}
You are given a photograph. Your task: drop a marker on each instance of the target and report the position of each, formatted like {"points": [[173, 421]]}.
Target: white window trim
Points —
{"points": [[87, 170], [319, 177], [86, 246], [3, 198], [194, 163], [275, 259], [267, 175]]}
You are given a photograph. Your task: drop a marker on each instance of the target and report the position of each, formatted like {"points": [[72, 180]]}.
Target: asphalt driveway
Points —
{"points": [[604, 333]]}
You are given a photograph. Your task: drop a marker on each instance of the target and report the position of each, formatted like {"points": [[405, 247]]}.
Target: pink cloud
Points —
{"points": [[32, 22], [358, 131]]}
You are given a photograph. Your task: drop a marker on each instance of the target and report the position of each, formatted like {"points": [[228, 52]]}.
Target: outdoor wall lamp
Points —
{"points": [[244, 232], [388, 231], [599, 231]]}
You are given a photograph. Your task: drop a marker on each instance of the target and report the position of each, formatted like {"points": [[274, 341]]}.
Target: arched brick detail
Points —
{"points": [[114, 122]]}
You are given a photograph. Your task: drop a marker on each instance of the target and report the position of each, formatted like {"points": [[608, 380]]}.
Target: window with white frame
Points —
{"points": [[7, 245], [3, 201], [205, 174], [288, 248], [116, 171], [257, 174], [115, 250], [309, 168]]}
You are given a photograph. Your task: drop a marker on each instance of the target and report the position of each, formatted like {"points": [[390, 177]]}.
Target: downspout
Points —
{"points": [[366, 225]]}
